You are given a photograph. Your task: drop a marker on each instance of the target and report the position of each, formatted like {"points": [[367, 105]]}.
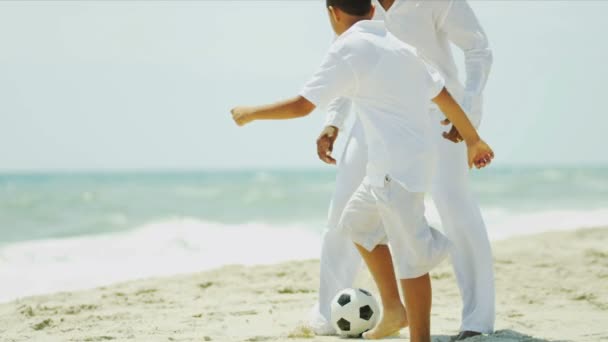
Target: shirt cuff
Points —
{"points": [[334, 119], [337, 112]]}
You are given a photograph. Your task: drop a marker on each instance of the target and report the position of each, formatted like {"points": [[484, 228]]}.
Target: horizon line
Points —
{"points": [[328, 168]]}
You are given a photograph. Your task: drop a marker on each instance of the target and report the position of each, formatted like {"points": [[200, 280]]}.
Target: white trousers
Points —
{"points": [[471, 254]]}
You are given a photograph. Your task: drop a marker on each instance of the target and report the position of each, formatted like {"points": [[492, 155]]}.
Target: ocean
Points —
{"points": [[66, 231]]}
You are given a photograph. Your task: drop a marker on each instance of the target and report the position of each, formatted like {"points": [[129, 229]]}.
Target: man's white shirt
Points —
{"points": [[391, 86], [430, 26]]}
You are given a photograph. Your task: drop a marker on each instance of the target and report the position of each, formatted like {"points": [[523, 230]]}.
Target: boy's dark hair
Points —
{"points": [[352, 7]]}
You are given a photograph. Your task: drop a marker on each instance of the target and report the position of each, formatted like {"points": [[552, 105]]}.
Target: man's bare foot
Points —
{"points": [[393, 320], [463, 335]]}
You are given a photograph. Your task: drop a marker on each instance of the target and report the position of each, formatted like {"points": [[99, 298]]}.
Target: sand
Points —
{"points": [[550, 287]]}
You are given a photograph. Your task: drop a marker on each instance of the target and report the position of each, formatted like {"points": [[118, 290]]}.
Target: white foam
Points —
{"points": [[504, 223], [189, 245], [164, 248]]}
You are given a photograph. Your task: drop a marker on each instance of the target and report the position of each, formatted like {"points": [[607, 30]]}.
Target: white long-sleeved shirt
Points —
{"points": [[430, 26]]}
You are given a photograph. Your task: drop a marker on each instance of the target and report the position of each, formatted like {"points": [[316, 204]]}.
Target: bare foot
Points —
{"points": [[393, 320]]}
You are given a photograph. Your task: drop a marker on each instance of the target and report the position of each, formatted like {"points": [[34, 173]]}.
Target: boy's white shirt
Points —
{"points": [[430, 26], [391, 86]]}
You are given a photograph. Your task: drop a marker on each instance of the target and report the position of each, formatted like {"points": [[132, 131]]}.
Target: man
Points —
{"points": [[429, 26]]}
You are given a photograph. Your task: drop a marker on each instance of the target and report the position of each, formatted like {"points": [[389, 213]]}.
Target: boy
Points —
{"points": [[390, 86]]}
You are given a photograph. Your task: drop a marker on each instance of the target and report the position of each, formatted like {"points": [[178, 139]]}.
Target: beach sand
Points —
{"points": [[550, 287]]}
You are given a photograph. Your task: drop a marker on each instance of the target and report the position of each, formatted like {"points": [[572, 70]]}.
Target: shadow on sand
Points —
{"points": [[498, 336]]}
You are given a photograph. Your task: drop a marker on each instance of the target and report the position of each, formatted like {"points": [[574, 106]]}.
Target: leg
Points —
{"points": [[394, 317], [471, 254], [418, 297], [339, 265], [340, 260], [417, 248]]}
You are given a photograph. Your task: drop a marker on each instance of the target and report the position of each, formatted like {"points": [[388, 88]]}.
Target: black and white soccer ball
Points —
{"points": [[353, 312]]}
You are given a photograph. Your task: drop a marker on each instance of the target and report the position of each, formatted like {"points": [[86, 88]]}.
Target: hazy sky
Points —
{"points": [[149, 84]]}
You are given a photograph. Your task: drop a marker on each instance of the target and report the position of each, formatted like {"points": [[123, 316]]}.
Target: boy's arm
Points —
{"points": [[479, 153], [288, 109], [335, 78]]}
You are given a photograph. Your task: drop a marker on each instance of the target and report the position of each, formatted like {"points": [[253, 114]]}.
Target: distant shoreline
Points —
{"points": [[296, 169]]}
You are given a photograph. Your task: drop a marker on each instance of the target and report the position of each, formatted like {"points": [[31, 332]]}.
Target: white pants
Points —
{"points": [[392, 215], [461, 219]]}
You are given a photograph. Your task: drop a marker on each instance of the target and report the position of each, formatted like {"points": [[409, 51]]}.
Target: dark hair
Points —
{"points": [[352, 7]]}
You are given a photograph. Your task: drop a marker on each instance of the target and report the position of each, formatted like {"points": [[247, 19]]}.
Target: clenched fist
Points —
{"points": [[479, 154], [241, 115]]}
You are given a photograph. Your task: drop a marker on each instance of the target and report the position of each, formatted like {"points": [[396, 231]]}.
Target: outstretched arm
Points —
{"points": [[288, 109], [479, 153], [458, 21], [333, 81]]}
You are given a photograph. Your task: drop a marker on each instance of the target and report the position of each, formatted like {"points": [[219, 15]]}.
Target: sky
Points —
{"points": [[88, 85]]}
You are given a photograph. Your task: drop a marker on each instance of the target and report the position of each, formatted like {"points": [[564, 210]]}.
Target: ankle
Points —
{"points": [[420, 335], [393, 306]]}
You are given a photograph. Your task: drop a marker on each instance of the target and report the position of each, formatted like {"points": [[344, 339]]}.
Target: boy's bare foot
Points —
{"points": [[393, 320]]}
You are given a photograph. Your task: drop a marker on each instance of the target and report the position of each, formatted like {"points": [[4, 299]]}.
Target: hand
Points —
{"points": [[241, 115], [479, 154], [453, 135], [325, 144]]}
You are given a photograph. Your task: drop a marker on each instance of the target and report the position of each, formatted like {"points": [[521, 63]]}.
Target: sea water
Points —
{"points": [[65, 231]]}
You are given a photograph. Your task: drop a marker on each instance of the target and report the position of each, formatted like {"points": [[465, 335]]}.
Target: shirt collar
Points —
{"points": [[368, 26], [391, 9]]}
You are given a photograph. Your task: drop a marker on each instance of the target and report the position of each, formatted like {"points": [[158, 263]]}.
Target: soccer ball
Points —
{"points": [[353, 312]]}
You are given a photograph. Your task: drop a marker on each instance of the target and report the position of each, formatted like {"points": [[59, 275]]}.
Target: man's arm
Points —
{"points": [[337, 112], [459, 23], [479, 153], [289, 109]]}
